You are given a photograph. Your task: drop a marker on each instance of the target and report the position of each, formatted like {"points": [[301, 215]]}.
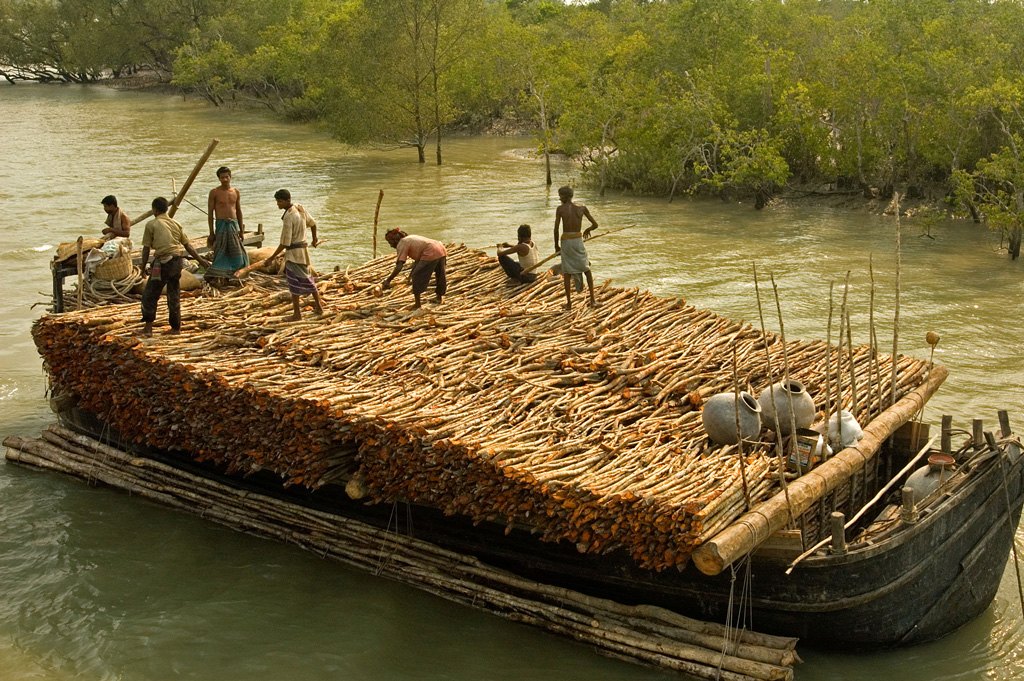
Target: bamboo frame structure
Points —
{"points": [[641, 634]]}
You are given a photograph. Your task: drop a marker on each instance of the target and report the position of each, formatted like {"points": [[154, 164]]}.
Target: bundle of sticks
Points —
{"points": [[579, 426], [638, 633]]}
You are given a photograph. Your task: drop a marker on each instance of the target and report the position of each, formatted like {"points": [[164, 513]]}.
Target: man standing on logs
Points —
{"points": [[526, 251], [118, 224], [430, 258], [167, 240], [225, 207], [575, 263], [296, 254]]}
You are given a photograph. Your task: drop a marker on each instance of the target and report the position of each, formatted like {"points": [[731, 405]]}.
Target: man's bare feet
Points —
{"points": [[294, 318], [172, 332], [147, 331], [438, 299], [567, 307]]}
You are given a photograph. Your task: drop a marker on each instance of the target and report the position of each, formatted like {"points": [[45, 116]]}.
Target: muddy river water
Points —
{"points": [[96, 585]]}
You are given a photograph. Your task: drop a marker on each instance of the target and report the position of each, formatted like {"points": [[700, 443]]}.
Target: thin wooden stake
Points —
{"points": [[739, 434], [849, 350], [376, 214], [78, 260], [896, 312], [778, 441]]}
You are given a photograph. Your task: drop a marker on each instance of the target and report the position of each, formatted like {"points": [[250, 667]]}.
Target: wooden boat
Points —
{"points": [[898, 582], [322, 428]]}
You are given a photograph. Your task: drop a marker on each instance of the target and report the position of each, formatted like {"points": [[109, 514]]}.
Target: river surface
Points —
{"points": [[97, 585]]}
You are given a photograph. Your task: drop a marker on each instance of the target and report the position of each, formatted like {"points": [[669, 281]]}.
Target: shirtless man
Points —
{"points": [[225, 206], [118, 224], [575, 264]]}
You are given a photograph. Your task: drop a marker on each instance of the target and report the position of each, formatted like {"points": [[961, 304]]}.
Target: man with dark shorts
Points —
{"points": [[526, 251], [430, 258], [167, 240]]}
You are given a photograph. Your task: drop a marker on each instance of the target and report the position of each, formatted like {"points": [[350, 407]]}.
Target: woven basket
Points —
{"points": [[114, 269]]}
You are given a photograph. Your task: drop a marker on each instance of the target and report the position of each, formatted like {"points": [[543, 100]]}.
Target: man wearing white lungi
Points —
{"points": [[575, 263]]}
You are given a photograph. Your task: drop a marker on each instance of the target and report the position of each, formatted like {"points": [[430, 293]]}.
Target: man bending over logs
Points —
{"points": [[225, 206], [575, 262], [526, 251], [296, 254], [166, 239], [430, 258]]}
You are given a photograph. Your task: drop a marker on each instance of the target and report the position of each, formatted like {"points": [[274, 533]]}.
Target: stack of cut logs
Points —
{"points": [[581, 426], [638, 633]]}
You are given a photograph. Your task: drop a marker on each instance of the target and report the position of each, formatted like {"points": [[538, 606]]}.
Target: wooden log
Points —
{"points": [[771, 516]]}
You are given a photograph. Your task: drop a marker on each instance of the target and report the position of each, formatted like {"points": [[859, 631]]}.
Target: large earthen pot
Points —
{"points": [[719, 418], [785, 402]]}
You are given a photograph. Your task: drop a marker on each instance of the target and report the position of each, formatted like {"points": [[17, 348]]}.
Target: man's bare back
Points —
{"points": [[571, 216]]}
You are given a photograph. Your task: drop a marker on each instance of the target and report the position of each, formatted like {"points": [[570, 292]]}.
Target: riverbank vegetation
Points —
{"points": [[658, 97]]}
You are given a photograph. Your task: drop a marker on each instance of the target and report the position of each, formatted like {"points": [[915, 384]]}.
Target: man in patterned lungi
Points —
{"points": [[225, 213], [575, 263], [296, 254]]}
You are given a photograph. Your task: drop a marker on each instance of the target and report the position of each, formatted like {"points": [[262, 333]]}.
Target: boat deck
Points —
{"points": [[579, 426]]}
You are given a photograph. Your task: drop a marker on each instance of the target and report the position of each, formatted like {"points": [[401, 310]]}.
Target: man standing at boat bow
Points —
{"points": [[167, 240]]}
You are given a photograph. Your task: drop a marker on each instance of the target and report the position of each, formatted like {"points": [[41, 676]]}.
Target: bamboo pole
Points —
{"points": [[779, 455], [643, 633], [766, 518], [595, 236], [178, 197]]}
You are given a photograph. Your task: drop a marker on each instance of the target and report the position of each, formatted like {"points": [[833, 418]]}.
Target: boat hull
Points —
{"points": [[917, 585]]}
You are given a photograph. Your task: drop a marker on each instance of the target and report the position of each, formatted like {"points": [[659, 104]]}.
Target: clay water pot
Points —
{"points": [[719, 418], [846, 425], [792, 403]]}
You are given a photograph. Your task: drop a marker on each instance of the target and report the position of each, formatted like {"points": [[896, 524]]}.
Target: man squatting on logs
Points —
{"points": [[527, 253], [166, 239], [575, 263], [296, 253], [225, 206], [430, 257], [118, 224]]}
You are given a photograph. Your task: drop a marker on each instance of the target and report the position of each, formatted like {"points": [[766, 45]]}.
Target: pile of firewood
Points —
{"points": [[582, 426]]}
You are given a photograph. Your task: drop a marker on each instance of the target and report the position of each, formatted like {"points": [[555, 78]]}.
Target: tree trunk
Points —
{"points": [[1014, 246]]}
